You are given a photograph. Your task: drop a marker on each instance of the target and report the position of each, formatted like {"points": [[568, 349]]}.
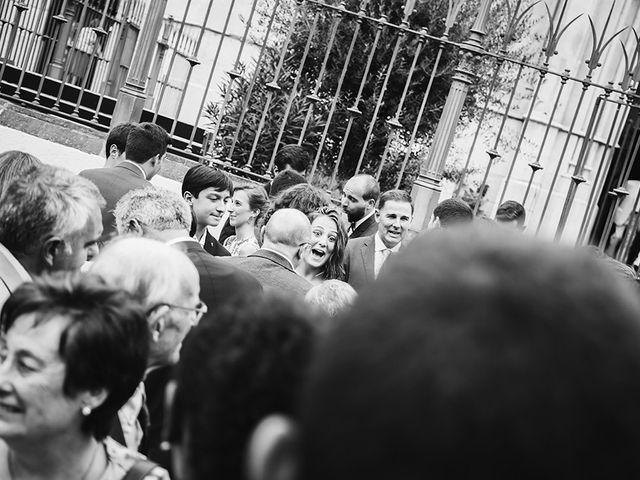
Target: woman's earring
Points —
{"points": [[86, 410]]}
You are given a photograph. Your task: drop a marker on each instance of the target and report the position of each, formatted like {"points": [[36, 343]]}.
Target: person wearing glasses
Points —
{"points": [[166, 283]]}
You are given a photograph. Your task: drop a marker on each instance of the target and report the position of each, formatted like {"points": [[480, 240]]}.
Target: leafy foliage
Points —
{"points": [[306, 120]]}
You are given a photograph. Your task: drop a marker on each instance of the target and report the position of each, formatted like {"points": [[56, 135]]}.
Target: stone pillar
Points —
{"points": [[133, 94], [426, 189], [56, 67]]}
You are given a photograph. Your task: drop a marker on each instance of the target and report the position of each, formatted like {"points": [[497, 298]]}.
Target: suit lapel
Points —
{"points": [[367, 251]]}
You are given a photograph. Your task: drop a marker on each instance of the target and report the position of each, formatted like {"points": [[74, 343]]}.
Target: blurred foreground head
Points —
{"points": [[475, 356], [246, 365]]}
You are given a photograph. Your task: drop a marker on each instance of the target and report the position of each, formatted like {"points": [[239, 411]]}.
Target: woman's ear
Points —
{"points": [[271, 450], [94, 398]]}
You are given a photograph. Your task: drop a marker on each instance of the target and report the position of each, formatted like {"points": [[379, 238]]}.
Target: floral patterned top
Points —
{"points": [[120, 460], [241, 248]]}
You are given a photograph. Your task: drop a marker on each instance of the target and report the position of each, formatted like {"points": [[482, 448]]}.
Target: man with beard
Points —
{"points": [[359, 197]]}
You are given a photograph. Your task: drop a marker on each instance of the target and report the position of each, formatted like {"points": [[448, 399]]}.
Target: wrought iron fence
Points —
{"points": [[388, 88]]}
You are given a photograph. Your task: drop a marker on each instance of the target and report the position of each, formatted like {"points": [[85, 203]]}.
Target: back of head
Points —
{"points": [[511, 211], [293, 155], [331, 297], [104, 345], [15, 164], [304, 197], [287, 227], [152, 208], [201, 177], [151, 271], [145, 141], [285, 180], [48, 201], [520, 358], [453, 211], [118, 136], [247, 364]]}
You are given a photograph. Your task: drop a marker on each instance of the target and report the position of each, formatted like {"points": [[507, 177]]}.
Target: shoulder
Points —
{"points": [[248, 247], [355, 243], [120, 460]]}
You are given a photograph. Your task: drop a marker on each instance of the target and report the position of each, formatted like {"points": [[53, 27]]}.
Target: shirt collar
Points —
{"points": [[380, 246], [280, 254], [144, 175], [185, 238], [364, 219]]}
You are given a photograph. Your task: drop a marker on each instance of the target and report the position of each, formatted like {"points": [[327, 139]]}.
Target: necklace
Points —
{"points": [[94, 455]]}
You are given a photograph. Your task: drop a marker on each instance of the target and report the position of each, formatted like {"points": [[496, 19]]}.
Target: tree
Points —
{"points": [[314, 108]]}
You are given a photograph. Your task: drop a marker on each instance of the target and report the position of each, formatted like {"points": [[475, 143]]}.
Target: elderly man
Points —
{"points": [[460, 364], [165, 216], [286, 232], [49, 221], [359, 197], [166, 283]]}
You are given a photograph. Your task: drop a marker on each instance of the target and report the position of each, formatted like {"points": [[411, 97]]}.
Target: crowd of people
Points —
{"points": [[271, 332]]}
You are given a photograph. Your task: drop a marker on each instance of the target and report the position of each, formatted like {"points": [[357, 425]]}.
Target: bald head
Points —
{"points": [[289, 227]]}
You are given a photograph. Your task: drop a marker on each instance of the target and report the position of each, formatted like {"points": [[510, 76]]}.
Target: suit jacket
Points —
{"points": [[214, 247], [365, 229], [113, 184], [220, 282], [359, 259], [273, 272], [155, 385]]}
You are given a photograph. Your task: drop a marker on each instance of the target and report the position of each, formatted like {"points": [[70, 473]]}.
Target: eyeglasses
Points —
{"points": [[200, 309]]}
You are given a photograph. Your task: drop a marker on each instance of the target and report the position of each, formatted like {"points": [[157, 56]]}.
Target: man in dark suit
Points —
{"points": [[287, 231], [365, 256], [163, 215], [359, 197], [145, 148], [207, 190]]}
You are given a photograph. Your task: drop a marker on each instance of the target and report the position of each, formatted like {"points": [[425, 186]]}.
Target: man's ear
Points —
{"points": [[434, 223], [271, 450], [135, 227], [114, 151], [157, 321], [377, 215], [51, 248], [188, 196]]}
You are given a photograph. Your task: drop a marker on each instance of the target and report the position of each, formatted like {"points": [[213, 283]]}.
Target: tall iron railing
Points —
{"points": [[364, 89]]}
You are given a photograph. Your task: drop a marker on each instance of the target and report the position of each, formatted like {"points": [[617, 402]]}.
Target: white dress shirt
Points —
{"points": [[382, 252]]}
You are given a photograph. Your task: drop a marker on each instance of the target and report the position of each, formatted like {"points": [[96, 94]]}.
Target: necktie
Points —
{"points": [[384, 254]]}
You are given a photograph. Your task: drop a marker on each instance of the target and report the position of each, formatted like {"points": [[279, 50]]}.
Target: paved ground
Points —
{"points": [[61, 155]]}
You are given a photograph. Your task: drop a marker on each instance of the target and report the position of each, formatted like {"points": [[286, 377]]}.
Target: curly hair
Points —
{"points": [[334, 268]]}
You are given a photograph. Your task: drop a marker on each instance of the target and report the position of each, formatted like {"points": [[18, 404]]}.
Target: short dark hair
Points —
{"points": [[303, 197], [490, 363], [146, 140], [293, 155], [118, 136], [334, 268], [15, 164], [245, 365], [510, 211], [284, 180], [105, 345], [453, 211], [201, 177], [395, 196]]}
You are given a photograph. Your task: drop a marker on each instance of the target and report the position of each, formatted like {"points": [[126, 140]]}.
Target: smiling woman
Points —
{"points": [[72, 352], [322, 258], [249, 204]]}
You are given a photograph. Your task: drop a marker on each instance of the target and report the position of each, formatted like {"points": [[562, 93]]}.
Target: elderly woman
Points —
{"points": [[322, 258], [73, 351]]}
